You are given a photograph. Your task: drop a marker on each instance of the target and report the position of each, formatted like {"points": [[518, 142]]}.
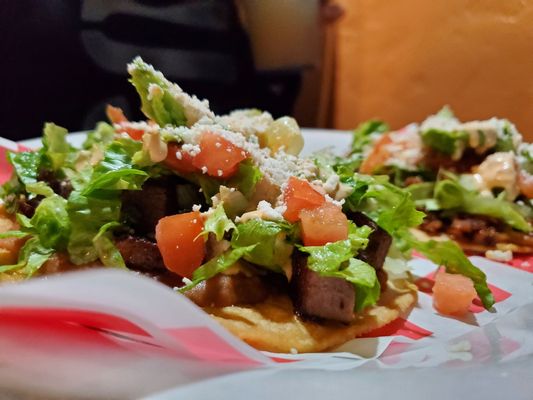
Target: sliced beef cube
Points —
{"points": [[321, 297], [142, 209], [379, 241], [230, 290], [140, 254]]}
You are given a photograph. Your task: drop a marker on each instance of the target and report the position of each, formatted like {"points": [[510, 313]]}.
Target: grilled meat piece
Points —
{"points": [[142, 209], [228, 290], [379, 241], [316, 296], [140, 254]]}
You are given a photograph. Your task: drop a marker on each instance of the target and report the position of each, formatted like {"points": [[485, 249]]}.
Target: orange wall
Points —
{"points": [[402, 60]]}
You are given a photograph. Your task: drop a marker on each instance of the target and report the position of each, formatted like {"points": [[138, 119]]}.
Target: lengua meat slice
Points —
{"points": [[140, 254], [317, 296], [142, 209], [379, 241]]}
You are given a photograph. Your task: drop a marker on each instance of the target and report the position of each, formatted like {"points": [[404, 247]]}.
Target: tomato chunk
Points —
{"points": [[179, 160], [378, 156], [452, 293], [300, 195], [177, 238], [322, 225], [218, 157], [116, 116]]}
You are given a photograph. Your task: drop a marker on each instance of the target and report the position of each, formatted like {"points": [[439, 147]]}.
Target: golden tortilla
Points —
{"points": [[273, 326]]}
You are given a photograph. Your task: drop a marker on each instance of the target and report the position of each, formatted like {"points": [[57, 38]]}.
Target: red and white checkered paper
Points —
{"points": [[92, 326]]}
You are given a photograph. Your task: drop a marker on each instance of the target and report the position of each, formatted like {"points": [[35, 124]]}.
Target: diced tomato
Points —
{"points": [[179, 160], [452, 293], [300, 195], [377, 157], [116, 116], [218, 156], [177, 238], [322, 225]]}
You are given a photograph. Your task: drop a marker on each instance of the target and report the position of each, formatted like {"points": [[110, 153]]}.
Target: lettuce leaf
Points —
{"points": [[106, 249], [450, 255], [268, 238], [116, 171], [218, 223], [31, 257], [26, 165], [217, 265], [87, 216], [447, 142], [56, 149], [158, 102], [101, 136], [363, 135], [246, 178], [337, 260], [51, 222], [450, 195], [391, 207]]}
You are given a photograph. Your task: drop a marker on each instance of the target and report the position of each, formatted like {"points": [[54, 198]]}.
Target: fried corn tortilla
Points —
{"points": [[273, 325]]}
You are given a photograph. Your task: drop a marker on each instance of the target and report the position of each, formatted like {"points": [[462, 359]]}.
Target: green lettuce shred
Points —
{"points": [[158, 102]]}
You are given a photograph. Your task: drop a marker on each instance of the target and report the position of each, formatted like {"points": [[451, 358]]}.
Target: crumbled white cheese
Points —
{"points": [[204, 170], [269, 213], [247, 122], [192, 149], [499, 255], [196, 207], [179, 156], [186, 281]]}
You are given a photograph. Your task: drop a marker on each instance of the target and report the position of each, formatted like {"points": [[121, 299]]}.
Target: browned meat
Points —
{"points": [[62, 187], [382, 278], [379, 241], [432, 224], [140, 254], [229, 290], [316, 296], [434, 160], [476, 233], [142, 209]]}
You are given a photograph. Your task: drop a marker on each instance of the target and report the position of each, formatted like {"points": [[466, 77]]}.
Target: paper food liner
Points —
{"points": [[113, 333]]}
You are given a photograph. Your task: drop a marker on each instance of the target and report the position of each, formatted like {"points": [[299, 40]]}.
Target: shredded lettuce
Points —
{"points": [[106, 249], [56, 149], [246, 178], [101, 136], [31, 257], [391, 207], [26, 165], [337, 260], [268, 238], [364, 134], [450, 255], [87, 215], [447, 142], [217, 265], [51, 222], [450, 195], [117, 171], [158, 101], [218, 223]]}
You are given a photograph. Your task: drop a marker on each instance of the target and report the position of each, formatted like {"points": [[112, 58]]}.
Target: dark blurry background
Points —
{"points": [[64, 60]]}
